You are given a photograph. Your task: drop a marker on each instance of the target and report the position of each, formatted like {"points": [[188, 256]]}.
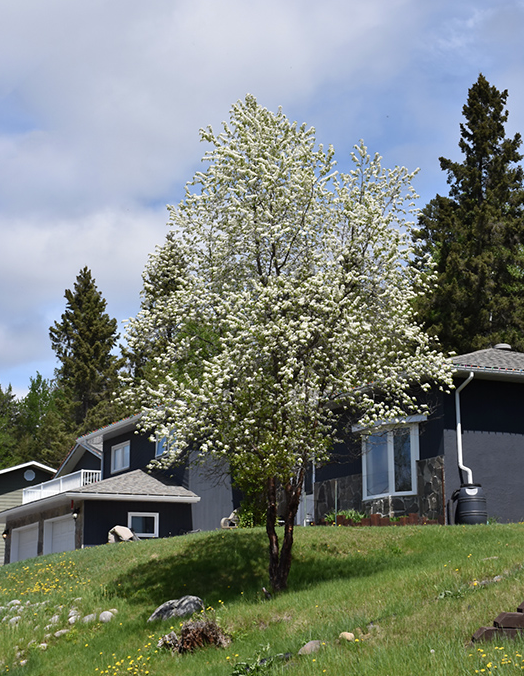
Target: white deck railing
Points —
{"points": [[84, 477]]}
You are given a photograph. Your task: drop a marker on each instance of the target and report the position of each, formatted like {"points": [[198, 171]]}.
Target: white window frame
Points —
{"points": [[162, 445], [412, 423], [117, 464], [156, 517]]}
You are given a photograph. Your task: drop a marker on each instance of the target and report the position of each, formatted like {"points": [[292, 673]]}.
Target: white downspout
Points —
{"points": [[459, 428]]}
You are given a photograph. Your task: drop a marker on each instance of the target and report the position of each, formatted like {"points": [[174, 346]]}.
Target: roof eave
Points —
{"points": [[31, 463], [64, 498], [488, 373], [121, 497]]}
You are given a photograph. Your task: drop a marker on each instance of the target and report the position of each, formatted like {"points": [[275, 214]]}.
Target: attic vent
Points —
{"points": [[502, 346]]}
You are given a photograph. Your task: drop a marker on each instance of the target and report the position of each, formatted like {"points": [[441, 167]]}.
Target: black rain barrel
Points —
{"points": [[471, 505]]}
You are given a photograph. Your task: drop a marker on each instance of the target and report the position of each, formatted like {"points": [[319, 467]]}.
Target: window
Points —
{"points": [[120, 457], [389, 458], [163, 444], [143, 524]]}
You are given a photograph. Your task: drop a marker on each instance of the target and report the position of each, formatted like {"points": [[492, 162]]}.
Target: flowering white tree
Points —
{"points": [[295, 293]]}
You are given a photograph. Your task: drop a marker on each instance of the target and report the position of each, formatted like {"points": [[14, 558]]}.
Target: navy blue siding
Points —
{"points": [[100, 516]]}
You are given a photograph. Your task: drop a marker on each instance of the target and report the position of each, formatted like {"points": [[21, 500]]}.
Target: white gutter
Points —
{"points": [[136, 497], [38, 506], [459, 428]]}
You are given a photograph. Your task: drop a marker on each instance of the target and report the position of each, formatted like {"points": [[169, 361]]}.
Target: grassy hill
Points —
{"points": [[413, 596]]}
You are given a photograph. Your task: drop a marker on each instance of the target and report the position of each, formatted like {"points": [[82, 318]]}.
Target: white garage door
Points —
{"points": [[59, 535], [24, 543]]}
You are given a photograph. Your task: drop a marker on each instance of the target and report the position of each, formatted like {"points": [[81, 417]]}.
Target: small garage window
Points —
{"points": [[143, 524]]}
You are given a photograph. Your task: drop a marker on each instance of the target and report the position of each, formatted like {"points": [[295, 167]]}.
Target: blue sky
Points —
{"points": [[101, 103]]}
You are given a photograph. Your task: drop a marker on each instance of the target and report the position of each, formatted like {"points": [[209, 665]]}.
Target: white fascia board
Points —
{"points": [[122, 497], [486, 373], [111, 429], [409, 419], [78, 448], [31, 463], [35, 506], [63, 498]]}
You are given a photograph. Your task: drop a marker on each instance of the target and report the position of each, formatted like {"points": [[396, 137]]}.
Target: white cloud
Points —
{"points": [[101, 102]]}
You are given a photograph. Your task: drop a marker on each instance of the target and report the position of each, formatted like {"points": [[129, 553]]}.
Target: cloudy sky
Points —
{"points": [[101, 103]]}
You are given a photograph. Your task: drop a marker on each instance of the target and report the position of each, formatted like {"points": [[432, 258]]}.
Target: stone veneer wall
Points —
{"points": [[428, 502]]}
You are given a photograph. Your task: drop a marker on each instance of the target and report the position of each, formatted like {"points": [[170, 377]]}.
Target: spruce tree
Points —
{"points": [[83, 342], [44, 434], [476, 234], [8, 432], [163, 277]]}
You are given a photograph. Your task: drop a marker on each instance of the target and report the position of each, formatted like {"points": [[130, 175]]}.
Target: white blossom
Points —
{"points": [[295, 292]]}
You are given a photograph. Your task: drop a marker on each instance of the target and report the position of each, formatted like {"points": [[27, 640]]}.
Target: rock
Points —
{"points": [[14, 602], [23, 663], [43, 646], [73, 619], [105, 616], [347, 636], [113, 610], [121, 534], [89, 618], [310, 647], [61, 632], [187, 605], [55, 619], [15, 620]]}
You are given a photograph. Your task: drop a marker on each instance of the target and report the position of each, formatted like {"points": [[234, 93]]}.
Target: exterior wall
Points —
{"points": [[12, 485], [348, 490], [212, 483], [141, 452], [100, 516], [492, 444], [429, 500], [39, 518], [497, 464], [87, 461]]}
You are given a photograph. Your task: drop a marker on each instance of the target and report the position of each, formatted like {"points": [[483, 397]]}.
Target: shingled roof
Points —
{"points": [[137, 484], [499, 362]]}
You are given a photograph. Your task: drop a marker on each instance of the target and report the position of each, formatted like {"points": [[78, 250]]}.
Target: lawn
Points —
{"points": [[412, 596]]}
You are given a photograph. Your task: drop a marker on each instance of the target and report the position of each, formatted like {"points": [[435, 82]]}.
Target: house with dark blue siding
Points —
{"points": [[411, 466], [105, 482]]}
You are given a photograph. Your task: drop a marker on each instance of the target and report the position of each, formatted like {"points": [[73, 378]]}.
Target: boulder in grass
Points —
{"points": [[310, 647], [187, 605]]}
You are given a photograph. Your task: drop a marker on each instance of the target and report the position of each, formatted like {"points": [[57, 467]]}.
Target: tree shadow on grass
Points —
{"points": [[225, 565]]}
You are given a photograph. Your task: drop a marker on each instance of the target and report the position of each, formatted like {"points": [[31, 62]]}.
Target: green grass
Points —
{"points": [[413, 596]]}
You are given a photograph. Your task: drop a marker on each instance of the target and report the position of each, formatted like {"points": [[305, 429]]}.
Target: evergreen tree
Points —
{"points": [[163, 276], [83, 342], [43, 434], [8, 432], [476, 235]]}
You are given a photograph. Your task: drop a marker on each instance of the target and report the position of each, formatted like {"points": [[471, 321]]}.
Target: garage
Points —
{"points": [[59, 534], [24, 543]]}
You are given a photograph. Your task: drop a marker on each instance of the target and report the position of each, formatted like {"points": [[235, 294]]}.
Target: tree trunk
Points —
{"points": [[280, 561]]}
